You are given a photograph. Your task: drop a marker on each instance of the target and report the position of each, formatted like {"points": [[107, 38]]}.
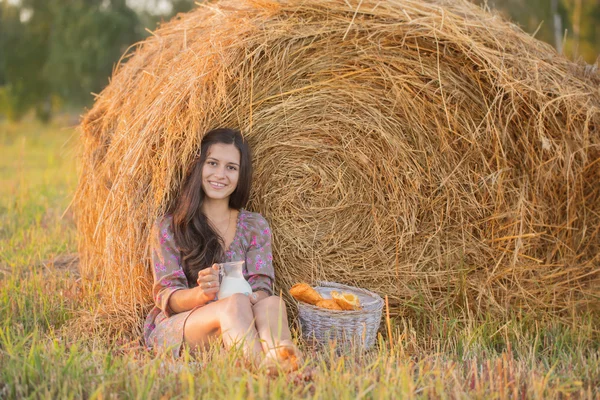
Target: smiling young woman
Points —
{"points": [[208, 225]]}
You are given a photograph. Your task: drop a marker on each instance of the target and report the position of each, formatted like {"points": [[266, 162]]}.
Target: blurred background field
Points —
{"points": [[37, 176], [54, 54]]}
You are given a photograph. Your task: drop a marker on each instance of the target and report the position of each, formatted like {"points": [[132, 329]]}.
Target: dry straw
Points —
{"points": [[424, 150]]}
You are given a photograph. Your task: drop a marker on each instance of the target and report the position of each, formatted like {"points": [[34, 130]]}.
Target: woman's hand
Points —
{"points": [[208, 283], [258, 296]]}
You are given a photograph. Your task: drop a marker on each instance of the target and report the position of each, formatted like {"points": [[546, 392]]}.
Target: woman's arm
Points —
{"points": [[259, 259], [186, 299], [207, 289], [171, 291]]}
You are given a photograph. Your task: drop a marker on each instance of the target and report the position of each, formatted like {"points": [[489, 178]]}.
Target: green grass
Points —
{"points": [[447, 357], [37, 180]]}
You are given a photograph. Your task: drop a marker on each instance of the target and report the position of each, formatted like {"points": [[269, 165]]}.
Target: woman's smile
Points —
{"points": [[217, 185]]}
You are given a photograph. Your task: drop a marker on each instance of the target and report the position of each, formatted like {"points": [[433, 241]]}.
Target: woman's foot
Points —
{"points": [[285, 357]]}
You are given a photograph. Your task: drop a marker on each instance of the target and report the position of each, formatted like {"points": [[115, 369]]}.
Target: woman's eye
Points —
{"points": [[232, 168], [211, 163]]}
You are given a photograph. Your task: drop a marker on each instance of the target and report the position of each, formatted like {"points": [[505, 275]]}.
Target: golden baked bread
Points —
{"points": [[303, 292], [330, 304], [347, 301]]}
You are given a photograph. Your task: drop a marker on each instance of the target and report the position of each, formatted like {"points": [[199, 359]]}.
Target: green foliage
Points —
{"points": [[85, 45], [50, 48], [2, 61], [583, 24], [23, 54], [579, 23], [180, 6]]}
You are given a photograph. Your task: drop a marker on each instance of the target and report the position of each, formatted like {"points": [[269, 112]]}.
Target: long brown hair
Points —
{"points": [[200, 246]]}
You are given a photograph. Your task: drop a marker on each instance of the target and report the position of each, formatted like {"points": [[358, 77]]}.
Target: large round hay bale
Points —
{"points": [[424, 150]]}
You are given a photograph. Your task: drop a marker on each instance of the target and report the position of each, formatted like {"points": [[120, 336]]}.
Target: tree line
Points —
{"points": [[54, 54], [571, 26]]}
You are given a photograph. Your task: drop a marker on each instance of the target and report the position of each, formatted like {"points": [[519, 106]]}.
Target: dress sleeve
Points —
{"points": [[166, 265], [259, 258]]}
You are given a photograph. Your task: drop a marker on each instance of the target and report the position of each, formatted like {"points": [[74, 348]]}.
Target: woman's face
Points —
{"points": [[221, 171]]}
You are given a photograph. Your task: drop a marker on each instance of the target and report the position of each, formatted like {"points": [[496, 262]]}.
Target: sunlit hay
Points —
{"points": [[424, 150]]}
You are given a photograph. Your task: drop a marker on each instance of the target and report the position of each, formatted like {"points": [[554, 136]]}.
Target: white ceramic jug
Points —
{"points": [[233, 279]]}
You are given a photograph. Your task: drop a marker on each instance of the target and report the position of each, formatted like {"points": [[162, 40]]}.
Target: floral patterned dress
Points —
{"points": [[163, 329]]}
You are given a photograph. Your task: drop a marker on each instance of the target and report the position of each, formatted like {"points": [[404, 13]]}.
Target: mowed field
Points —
{"points": [[454, 355]]}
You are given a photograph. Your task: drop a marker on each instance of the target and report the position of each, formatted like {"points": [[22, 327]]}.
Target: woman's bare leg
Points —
{"points": [[274, 332], [271, 322], [230, 318]]}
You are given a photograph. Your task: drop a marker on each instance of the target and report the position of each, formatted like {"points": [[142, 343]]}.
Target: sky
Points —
{"points": [[153, 6]]}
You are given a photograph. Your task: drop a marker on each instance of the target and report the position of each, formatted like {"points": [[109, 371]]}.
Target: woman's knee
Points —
{"points": [[271, 303], [238, 300], [237, 305]]}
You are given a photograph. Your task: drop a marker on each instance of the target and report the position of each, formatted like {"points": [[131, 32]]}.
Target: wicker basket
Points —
{"points": [[348, 329]]}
